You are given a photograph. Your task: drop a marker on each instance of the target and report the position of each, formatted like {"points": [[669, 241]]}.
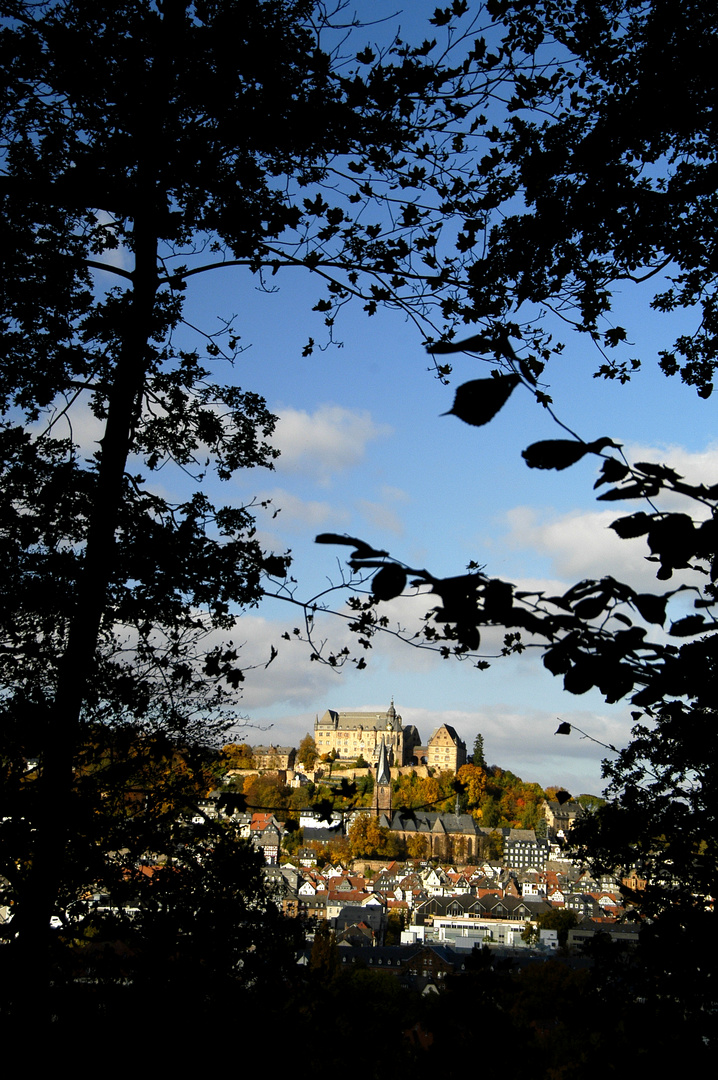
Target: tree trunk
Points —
{"points": [[53, 827]]}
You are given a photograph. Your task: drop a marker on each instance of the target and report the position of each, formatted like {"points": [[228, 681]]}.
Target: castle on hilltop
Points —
{"points": [[362, 734], [355, 734]]}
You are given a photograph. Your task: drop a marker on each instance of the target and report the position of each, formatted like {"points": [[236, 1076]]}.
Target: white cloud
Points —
{"points": [[76, 422], [295, 512], [381, 517], [327, 441], [394, 494], [120, 257], [580, 544], [292, 679], [696, 466], [524, 741]]}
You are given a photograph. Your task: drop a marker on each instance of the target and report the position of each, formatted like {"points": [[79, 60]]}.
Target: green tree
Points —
{"points": [[559, 919], [394, 927], [266, 792], [417, 846], [477, 758]]}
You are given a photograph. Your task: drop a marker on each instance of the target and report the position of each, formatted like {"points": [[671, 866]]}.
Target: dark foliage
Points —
{"points": [[603, 173], [152, 142]]}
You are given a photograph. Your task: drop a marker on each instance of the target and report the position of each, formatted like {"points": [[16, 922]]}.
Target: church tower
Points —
{"points": [[381, 799]]}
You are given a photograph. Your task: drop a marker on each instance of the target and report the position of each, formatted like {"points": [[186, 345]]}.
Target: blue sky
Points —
{"points": [[365, 450]]}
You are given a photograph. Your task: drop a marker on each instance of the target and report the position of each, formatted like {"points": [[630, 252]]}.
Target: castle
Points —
{"points": [[362, 734]]}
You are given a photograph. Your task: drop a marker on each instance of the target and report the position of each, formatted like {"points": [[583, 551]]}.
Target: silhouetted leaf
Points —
{"points": [[362, 549], [611, 472], [479, 343], [554, 454], [498, 600], [690, 624], [592, 606], [561, 453], [557, 660], [632, 525], [458, 595], [231, 802], [672, 538], [631, 491], [563, 729], [469, 636], [651, 608], [580, 678], [388, 582], [275, 565], [478, 401]]}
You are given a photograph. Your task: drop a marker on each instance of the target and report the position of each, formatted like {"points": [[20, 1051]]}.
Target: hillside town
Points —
{"points": [[467, 885]]}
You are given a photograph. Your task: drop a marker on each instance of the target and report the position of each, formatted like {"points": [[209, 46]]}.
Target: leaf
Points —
{"points": [[580, 678], [690, 624], [611, 472], [673, 539], [563, 729], [632, 525], [651, 608], [469, 636], [362, 549], [274, 565], [557, 660], [498, 600], [388, 582], [554, 454], [592, 606], [478, 401], [632, 491], [479, 343]]}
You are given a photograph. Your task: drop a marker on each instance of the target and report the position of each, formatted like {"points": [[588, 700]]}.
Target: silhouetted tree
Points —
{"points": [[604, 176], [153, 141]]}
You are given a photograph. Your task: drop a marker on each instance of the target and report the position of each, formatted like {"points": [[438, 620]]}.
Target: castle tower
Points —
{"points": [[381, 800]]}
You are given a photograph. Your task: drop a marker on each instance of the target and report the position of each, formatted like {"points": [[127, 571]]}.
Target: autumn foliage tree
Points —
{"points": [[308, 753]]}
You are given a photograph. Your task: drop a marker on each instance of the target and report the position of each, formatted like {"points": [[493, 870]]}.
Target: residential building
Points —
{"points": [[523, 850], [445, 750], [274, 757], [561, 816]]}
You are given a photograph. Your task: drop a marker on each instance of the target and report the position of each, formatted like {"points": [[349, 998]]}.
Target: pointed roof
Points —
{"points": [[383, 775]]}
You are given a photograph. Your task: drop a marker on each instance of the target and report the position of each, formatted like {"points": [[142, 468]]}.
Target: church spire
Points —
{"points": [[383, 775], [381, 800]]}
